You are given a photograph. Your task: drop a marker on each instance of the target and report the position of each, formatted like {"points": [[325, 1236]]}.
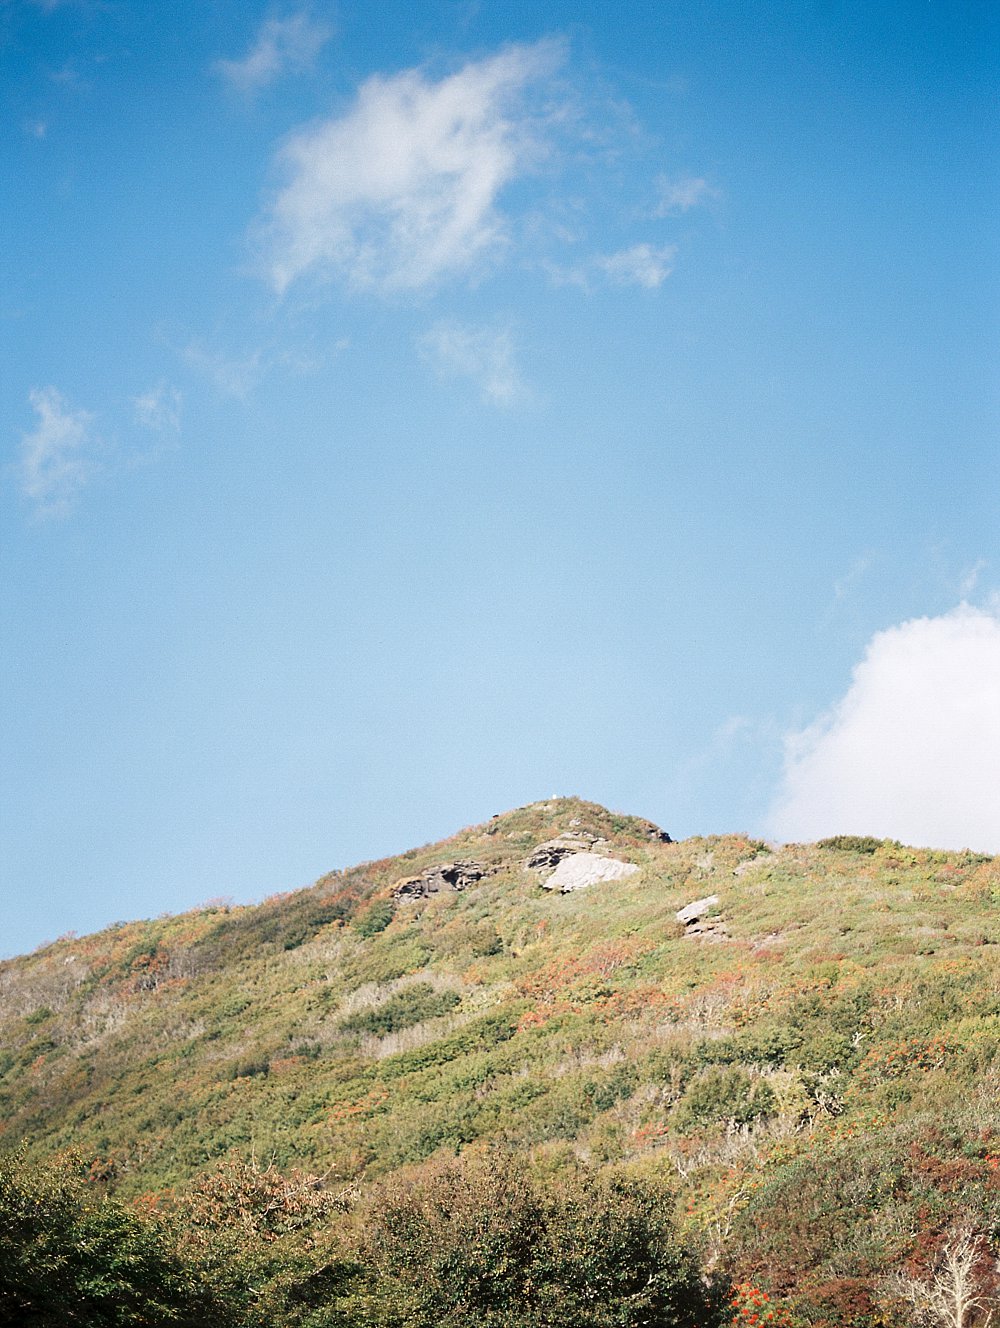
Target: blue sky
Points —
{"points": [[410, 412]]}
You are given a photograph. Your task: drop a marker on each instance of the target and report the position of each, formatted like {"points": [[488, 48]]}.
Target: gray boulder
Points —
{"points": [[579, 870], [552, 852]]}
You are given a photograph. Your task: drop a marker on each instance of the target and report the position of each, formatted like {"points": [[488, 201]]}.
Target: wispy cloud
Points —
{"points": [[485, 355], [58, 456], [159, 409], [969, 579], [680, 193], [283, 45], [403, 189], [232, 375], [912, 751], [238, 372], [843, 585], [69, 78], [645, 265]]}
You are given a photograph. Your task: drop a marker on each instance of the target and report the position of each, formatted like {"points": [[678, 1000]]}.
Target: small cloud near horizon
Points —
{"points": [[912, 750]]}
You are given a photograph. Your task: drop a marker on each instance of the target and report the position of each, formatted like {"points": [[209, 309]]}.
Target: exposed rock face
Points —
{"points": [[447, 876], [693, 911], [654, 833], [578, 870], [552, 852], [698, 924]]}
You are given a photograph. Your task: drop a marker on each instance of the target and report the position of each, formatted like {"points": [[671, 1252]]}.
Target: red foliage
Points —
{"points": [[754, 1308]]}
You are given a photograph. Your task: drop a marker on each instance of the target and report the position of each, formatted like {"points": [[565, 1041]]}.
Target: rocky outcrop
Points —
{"points": [[552, 852], [448, 876], [653, 832], [700, 922], [578, 870], [697, 909]]}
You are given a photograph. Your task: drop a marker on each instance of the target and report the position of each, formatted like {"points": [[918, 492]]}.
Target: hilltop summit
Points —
{"points": [[752, 1022]]}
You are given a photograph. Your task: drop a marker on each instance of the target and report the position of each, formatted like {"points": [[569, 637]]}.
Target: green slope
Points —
{"points": [[817, 1072]]}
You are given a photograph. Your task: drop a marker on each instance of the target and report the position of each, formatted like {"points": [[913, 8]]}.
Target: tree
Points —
{"points": [[484, 1240], [69, 1255], [267, 1244], [959, 1289]]}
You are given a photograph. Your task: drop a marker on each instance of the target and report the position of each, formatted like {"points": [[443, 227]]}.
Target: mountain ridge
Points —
{"points": [[837, 1001]]}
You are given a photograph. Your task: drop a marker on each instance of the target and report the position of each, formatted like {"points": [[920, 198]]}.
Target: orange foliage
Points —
{"points": [[754, 1307]]}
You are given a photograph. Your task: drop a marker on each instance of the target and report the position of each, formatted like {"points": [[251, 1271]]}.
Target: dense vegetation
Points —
{"points": [[483, 1239], [808, 1091]]}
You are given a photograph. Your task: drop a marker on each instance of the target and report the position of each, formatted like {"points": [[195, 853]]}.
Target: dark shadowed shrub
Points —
{"points": [[410, 1006], [851, 843], [375, 918], [727, 1094]]}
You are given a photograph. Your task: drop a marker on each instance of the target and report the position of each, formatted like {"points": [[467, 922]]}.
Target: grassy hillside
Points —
{"points": [[814, 1067]]}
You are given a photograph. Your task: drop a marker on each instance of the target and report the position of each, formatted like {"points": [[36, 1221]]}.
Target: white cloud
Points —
{"points": [[680, 194], [843, 585], [485, 355], [912, 751], [970, 578], [159, 409], [233, 376], [56, 458], [282, 44], [403, 189], [642, 265], [239, 372]]}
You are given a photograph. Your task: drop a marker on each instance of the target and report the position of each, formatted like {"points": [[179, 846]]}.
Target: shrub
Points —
{"points": [[410, 1006], [851, 843], [375, 918], [482, 1240], [725, 1093], [70, 1256]]}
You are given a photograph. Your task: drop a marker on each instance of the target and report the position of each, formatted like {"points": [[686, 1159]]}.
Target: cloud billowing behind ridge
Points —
{"points": [[912, 751]]}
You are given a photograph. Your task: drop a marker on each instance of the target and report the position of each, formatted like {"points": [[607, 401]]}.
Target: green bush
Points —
{"points": [[69, 1256], [725, 1094], [410, 1006], [375, 918], [482, 1240], [851, 843]]}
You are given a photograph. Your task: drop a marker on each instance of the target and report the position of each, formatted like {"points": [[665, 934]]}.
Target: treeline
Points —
{"points": [[484, 1240]]}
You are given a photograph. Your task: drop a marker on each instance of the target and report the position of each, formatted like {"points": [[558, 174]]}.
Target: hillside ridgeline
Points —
{"points": [[807, 1060]]}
